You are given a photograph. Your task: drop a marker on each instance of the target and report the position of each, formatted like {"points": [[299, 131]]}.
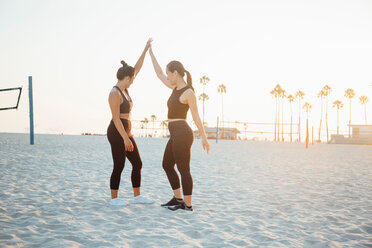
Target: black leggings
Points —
{"points": [[178, 152], [119, 154]]}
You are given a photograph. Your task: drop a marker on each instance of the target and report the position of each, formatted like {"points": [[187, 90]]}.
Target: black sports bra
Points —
{"points": [[176, 109], [126, 105]]}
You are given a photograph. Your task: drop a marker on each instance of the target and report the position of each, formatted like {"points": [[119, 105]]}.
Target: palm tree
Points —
{"points": [[274, 92], [204, 80], [290, 100], [339, 105], [203, 97], [307, 106], [222, 90], [153, 119], [282, 95], [327, 90], [321, 96], [300, 95], [349, 93], [363, 100], [145, 122], [164, 124]]}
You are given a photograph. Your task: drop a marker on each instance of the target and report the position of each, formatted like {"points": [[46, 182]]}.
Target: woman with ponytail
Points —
{"points": [[181, 138], [119, 133]]}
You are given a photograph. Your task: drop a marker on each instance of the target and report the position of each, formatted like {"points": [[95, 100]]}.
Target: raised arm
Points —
{"points": [[158, 70], [139, 63], [191, 101]]}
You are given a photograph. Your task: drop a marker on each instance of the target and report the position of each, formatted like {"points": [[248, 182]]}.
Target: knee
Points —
{"points": [[166, 166], [184, 169], [117, 171], [186, 175]]}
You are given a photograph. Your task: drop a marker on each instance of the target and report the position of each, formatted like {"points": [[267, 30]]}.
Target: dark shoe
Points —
{"points": [[181, 206], [173, 202]]}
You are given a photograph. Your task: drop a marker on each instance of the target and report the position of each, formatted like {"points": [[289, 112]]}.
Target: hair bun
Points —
{"points": [[123, 63]]}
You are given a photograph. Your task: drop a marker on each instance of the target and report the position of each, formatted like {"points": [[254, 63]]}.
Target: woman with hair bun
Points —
{"points": [[119, 133], [181, 138]]}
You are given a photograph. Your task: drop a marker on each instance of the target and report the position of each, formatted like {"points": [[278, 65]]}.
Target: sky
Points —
{"points": [[72, 49]]}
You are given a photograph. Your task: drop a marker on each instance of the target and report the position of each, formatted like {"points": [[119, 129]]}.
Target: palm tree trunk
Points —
{"points": [[153, 127], [291, 128], [350, 118], [276, 116], [338, 110], [365, 113], [327, 118], [282, 118], [299, 120], [290, 104], [278, 133], [203, 102], [223, 135], [203, 111], [307, 131], [291, 120], [321, 116]]}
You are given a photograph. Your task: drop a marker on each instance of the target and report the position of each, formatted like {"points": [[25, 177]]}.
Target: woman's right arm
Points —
{"points": [[158, 70], [114, 101]]}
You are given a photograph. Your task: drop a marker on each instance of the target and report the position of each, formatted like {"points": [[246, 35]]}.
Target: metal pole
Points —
{"points": [[307, 133], [31, 110]]}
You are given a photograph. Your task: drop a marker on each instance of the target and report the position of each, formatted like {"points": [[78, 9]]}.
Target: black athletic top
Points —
{"points": [[126, 106], [176, 109]]}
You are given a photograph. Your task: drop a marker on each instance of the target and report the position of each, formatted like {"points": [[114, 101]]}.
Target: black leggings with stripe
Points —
{"points": [[178, 151], [119, 155]]}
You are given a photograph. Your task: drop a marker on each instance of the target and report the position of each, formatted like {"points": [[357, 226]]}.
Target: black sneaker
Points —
{"points": [[173, 202], [181, 206]]}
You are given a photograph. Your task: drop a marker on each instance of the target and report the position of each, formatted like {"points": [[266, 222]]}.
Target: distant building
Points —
{"points": [[361, 134], [225, 133]]}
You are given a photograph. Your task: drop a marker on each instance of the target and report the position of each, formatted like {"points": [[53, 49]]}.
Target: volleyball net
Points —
{"points": [[9, 98]]}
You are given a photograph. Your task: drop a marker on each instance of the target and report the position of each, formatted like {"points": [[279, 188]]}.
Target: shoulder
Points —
{"points": [[189, 93], [114, 94]]}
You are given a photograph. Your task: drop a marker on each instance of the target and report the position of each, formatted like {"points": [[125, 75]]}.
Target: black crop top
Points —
{"points": [[176, 109], [126, 106]]}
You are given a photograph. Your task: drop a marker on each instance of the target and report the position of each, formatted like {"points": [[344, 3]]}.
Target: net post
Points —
{"points": [[31, 110]]}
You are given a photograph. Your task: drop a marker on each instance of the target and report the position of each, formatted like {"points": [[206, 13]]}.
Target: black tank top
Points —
{"points": [[176, 109], [126, 106]]}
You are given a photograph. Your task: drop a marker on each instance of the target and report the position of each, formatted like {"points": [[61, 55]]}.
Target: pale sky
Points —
{"points": [[73, 50]]}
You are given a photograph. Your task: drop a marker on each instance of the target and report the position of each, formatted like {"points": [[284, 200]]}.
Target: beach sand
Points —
{"points": [[246, 194]]}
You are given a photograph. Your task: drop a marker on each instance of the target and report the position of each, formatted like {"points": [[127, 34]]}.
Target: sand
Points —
{"points": [[246, 194]]}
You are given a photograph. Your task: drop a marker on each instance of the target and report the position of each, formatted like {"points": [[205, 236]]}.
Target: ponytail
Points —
{"points": [[189, 79]]}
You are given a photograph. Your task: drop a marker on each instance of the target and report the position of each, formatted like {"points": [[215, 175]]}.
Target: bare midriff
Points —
{"points": [[171, 120], [125, 116]]}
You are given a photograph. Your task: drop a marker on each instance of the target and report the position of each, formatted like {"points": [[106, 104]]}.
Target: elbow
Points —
{"points": [[116, 119], [159, 75]]}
